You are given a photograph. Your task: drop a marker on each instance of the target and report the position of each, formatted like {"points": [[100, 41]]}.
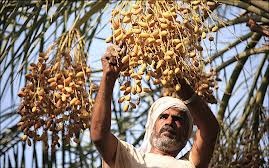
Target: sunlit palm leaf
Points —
{"points": [[29, 27]]}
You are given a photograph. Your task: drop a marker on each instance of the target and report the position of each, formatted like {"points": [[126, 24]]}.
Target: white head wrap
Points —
{"points": [[155, 110]]}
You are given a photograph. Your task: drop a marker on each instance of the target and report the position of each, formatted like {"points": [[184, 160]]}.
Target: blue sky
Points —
{"points": [[98, 47]]}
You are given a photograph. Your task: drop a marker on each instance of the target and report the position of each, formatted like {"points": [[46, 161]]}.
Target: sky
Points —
{"points": [[98, 47]]}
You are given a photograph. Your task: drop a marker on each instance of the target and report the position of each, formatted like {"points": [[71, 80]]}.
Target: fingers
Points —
{"points": [[113, 61], [121, 44], [123, 50], [112, 51], [124, 66]]}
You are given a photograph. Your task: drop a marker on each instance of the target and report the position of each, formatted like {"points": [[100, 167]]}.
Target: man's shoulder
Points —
{"points": [[129, 147], [128, 156]]}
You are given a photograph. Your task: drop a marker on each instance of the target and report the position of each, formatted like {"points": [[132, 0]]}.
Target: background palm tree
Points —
{"points": [[239, 53]]}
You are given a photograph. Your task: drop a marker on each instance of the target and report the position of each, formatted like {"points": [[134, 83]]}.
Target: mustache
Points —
{"points": [[168, 128]]}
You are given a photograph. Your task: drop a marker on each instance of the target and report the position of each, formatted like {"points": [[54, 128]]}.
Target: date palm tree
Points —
{"points": [[239, 53]]}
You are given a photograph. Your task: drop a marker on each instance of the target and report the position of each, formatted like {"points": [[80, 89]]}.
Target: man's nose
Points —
{"points": [[169, 120]]}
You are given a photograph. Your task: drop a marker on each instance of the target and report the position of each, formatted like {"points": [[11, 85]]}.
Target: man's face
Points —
{"points": [[170, 130]]}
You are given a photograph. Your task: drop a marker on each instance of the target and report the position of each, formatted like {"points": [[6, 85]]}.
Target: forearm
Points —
{"points": [[101, 115], [208, 128], [204, 119], [206, 135]]}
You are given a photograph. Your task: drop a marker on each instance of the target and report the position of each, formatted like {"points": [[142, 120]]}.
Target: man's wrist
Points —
{"points": [[186, 92], [191, 99], [110, 77]]}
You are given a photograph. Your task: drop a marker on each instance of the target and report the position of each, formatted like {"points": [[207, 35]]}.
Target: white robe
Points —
{"points": [[127, 156]]}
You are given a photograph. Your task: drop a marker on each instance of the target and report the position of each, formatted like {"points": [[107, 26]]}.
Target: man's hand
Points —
{"points": [[111, 61], [186, 91]]}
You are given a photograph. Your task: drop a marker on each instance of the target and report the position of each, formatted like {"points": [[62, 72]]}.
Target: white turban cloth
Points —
{"points": [[154, 112]]}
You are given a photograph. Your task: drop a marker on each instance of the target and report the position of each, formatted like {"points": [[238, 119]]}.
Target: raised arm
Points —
{"points": [[208, 128], [104, 140]]}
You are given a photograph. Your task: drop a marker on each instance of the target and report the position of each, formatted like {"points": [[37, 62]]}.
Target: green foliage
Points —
{"points": [[239, 53]]}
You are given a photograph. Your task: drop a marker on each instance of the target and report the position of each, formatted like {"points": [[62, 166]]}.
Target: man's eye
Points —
{"points": [[179, 118], [162, 116]]}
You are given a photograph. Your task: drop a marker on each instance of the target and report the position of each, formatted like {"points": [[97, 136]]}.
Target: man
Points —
{"points": [[168, 128]]}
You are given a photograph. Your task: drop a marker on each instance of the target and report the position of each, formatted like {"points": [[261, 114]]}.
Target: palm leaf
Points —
{"points": [[29, 27]]}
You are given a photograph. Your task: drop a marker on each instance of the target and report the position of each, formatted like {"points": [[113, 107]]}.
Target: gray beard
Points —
{"points": [[164, 143]]}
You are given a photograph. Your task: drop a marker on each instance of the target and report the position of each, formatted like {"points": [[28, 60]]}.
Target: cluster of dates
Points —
{"points": [[58, 96], [163, 45]]}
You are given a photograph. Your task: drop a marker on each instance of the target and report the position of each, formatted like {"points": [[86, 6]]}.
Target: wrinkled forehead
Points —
{"points": [[174, 112]]}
